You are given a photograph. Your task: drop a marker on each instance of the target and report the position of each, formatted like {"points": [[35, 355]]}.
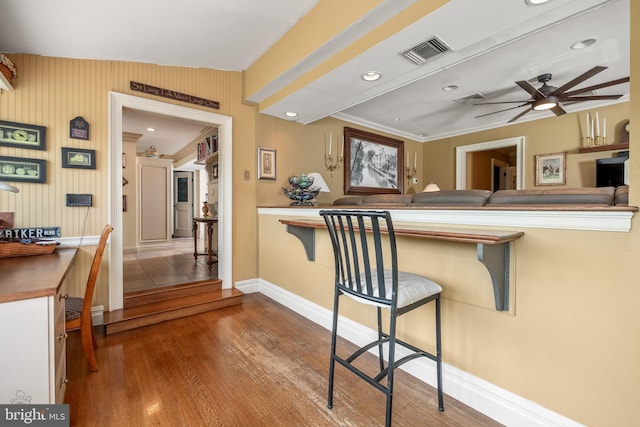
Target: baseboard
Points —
{"points": [[499, 404]]}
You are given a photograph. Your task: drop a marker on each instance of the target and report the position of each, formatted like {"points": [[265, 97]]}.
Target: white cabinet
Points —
{"points": [[33, 359]]}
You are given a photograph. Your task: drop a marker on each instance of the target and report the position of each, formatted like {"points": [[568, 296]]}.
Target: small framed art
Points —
{"points": [[551, 169], [20, 169], [266, 163], [78, 158], [21, 135]]}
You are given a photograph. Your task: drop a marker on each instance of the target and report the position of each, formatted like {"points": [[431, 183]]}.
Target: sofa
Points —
{"points": [[528, 199]]}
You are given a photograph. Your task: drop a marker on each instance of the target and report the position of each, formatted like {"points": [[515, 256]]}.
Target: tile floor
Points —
{"points": [[171, 266]]}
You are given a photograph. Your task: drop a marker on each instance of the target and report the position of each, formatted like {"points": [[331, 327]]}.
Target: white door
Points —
{"points": [[182, 203]]}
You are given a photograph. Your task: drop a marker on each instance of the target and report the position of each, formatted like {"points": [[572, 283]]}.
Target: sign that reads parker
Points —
{"points": [[30, 233], [172, 94]]}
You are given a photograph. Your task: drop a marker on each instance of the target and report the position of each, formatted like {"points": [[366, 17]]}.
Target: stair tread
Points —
{"points": [[170, 304], [151, 296]]}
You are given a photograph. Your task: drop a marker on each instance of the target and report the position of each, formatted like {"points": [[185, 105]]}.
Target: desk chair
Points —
{"points": [[366, 270], [78, 310]]}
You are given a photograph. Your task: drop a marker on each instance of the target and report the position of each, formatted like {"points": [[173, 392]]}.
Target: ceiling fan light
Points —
{"points": [[545, 104]]}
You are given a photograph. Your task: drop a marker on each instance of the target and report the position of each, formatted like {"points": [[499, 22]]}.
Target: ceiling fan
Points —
{"points": [[549, 97]]}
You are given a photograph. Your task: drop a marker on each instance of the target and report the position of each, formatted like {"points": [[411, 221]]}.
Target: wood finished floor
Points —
{"points": [[172, 266], [255, 364]]}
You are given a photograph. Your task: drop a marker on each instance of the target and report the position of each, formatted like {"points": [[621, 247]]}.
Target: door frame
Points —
{"points": [[117, 102], [461, 159]]}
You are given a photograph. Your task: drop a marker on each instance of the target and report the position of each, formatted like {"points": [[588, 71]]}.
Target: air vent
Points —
{"points": [[426, 50], [471, 99]]}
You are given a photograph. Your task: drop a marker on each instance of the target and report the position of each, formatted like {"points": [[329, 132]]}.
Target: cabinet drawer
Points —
{"points": [[61, 376], [60, 346]]}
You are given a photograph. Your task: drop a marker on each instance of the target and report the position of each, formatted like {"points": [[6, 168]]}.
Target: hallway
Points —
{"points": [[166, 267]]}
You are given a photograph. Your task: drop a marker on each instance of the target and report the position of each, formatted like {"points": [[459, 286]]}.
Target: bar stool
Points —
{"points": [[366, 270]]}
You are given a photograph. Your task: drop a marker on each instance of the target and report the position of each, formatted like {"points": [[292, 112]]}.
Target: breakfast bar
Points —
{"points": [[494, 247]]}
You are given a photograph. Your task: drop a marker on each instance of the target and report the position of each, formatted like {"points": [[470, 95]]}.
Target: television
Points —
{"points": [[611, 172]]}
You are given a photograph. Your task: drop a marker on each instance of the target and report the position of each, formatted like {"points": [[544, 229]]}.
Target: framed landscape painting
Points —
{"points": [[373, 164]]}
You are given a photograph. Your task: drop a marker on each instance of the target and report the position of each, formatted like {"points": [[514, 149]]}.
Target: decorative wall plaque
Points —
{"points": [[172, 94], [79, 128]]}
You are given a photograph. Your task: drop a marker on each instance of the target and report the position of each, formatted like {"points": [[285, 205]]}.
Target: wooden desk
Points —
{"points": [[210, 221], [33, 355], [493, 247]]}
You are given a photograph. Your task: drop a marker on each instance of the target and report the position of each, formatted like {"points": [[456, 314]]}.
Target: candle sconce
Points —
{"points": [[410, 173], [332, 163]]}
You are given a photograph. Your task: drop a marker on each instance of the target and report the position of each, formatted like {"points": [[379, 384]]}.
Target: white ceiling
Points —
{"points": [[494, 43]]}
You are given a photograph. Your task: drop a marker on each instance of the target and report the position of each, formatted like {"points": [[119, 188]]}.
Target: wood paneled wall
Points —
{"points": [[51, 91]]}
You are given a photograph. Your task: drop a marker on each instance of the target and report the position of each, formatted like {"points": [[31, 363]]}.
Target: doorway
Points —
{"points": [[119, 101], [463, 152], [182, 203]]}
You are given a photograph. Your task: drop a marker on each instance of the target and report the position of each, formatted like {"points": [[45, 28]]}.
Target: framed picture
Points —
{"points": [[22, 135], [78, 158], [373, 164], [551, 169], [18, 169], [266, 163]]}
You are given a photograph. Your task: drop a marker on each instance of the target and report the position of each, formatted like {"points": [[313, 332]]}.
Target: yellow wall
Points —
{"points": [[549, 135], [300, 149], [570, 342], [51, 91]]}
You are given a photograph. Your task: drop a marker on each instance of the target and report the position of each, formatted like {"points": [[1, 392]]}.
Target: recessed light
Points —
{"points": [[151, 129], [450, 88], [291, 114], [536, 2], [396, 119], [583, 43], [371, 76]]}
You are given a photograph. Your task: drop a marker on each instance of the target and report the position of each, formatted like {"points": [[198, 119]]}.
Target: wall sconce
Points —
{"points": [[409, 172], [330, 162]]}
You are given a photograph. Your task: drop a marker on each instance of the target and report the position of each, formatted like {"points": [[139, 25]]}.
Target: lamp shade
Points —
{"points": [[318, 181], [431, 187], [8, 187]]}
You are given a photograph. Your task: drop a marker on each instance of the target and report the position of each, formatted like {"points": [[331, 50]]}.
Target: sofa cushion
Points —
{"points": [[622, 196], [387, 199], [555, 196], [452, 198], [348, 201]]}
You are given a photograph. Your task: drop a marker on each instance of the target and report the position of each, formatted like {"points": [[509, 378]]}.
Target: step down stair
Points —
{"points": [[149, 307]]}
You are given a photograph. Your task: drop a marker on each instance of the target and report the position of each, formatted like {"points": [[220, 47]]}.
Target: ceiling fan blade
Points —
{"points": [[558, 110], [588, 98], [500, 111], [535, 93], [526, 101], [598, 86], [520, 115], [584, 76]]}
